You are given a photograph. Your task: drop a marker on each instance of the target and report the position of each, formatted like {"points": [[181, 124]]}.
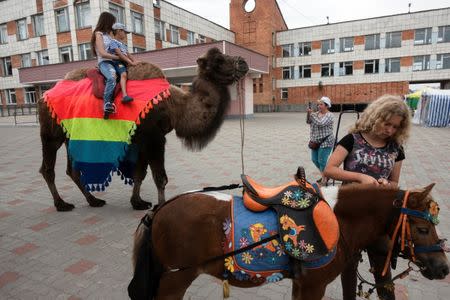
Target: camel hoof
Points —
{"points": [[140, 204], [64, 206], [95, 202]]}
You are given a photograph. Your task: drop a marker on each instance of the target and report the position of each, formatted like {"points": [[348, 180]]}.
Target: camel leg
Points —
{"points": [[75, 175], [139, 175], [50, 146], [349, 281], [159, 175], [174, 285]]}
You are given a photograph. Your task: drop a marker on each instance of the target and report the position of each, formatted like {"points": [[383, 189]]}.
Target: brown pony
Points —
{"points": [[175, 244]]}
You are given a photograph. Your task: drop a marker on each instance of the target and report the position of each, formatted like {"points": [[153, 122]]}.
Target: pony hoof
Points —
{"points": [[64, 206], [141, 205], [96, 202]]}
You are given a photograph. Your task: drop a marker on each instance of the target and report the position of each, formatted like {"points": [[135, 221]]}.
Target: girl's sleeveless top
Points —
{"points": [[106, 40]]}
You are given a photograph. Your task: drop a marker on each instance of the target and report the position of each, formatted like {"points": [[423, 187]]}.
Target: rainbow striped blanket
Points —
{"points": [[98, 147]]}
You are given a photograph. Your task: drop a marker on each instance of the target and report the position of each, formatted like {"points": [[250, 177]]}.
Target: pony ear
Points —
{"points": [[417, 197]]}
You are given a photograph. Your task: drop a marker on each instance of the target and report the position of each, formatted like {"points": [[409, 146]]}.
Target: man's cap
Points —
{"points": [[326, 100], [118, 26]]}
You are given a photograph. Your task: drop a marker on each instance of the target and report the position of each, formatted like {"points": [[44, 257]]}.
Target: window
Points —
{"points": [[288, 72], [11, 96], [288, 50], [201, 39], [284, 93], [443, 61], [38, 24], [6, 66], [174, 34], [3, 34], [65, 54], [328, 46], [138, 49], [422, 36], [327, 70], [345, 68], [42, 57], [26, 60], [305, 71], [443, 34], [394, 39], [30, 95], [156, 3], [392, 65], [159, 30], [118, 12], [62, 20], [421, 63], [21, 29], [85, 51], [346, 44], [372, 42], [371, 66], [83, 14], [190, 38], [304, 48], [137, 20]]}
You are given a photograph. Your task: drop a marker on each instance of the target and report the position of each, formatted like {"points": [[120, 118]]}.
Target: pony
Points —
{"points": [[183, 239]]}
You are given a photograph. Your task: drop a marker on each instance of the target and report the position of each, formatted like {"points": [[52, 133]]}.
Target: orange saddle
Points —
{"points": [[98, 83]]}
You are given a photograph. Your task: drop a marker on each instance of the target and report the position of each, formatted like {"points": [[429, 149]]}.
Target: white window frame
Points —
{"points": [[443, 34], [137, 20], [160, 32], [288, 73], [62, 15], [330, 67], [138, 49], [7, 66], [422, 36], [421, 63], [11, 98], [43, 58], [375, 63], [287, 50], [22, 29], [347, 44], [391, 39], [83, 14], [375, 39], [3, 34], [284, 93], [30, 95], [66, 50], [190, 37], [302, 69], [26, 60], [38, 24], [118, 12], [343, 68], [443, 61], [303, 47], [201, 39], [85, 51], [389, 62], [329, 49]]}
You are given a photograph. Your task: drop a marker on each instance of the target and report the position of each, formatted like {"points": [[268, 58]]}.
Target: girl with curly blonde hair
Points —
{"points": [[372, 153]]}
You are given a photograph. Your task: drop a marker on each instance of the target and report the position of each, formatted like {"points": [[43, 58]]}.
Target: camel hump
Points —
{"points": [[142, 70]]}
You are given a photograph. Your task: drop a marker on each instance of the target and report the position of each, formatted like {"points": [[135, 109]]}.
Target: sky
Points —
{"points": [[299, 13]]}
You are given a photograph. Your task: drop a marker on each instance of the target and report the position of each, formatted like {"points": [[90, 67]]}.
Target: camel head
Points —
{"points": [[220, 68]]}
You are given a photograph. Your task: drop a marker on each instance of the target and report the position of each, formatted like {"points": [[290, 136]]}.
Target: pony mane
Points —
{"points": [[364, 199]]}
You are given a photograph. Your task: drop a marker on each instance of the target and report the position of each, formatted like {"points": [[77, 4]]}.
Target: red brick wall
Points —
{"points": [[406, 61], [183, 34], [346, 93], [315, 68], [30, 30], [358, 64], [43, 40], [407, 35], [136, 7], [316, 45], [138, 40], [59, 3], [63, 39], [157, 12], [120, 2], [39, 6], [11, 27], [168, 35], [16, 61], [158, 44], [359, 40], [20, 96], [84, 35]]}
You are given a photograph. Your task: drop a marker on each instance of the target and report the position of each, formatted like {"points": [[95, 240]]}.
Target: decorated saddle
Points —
{"points": [[99, 147]]}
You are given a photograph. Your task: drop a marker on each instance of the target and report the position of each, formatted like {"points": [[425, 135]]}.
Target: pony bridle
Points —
{"points": [[406, 238]]}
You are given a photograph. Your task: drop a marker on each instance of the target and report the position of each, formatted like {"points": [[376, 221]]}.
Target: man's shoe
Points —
{"points": [[127, 99], [108, 108]]}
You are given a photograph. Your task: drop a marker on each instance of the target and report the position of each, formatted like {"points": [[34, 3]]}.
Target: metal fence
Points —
{"points": [[19, 110]]}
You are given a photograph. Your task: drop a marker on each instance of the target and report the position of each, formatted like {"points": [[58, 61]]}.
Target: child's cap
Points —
{"points": [[117, 26]]}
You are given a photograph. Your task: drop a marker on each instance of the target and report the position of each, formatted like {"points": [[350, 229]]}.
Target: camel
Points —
{"points": [[195, 116]]}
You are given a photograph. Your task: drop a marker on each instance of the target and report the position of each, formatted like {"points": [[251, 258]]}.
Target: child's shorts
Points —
{"points": [[119, 66]]}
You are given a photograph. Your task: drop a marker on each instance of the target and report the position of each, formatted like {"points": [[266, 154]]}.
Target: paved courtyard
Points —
{"points": [[86, 253]]}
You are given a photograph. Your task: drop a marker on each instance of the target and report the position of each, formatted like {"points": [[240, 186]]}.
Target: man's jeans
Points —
{"points": [[109, 72]]}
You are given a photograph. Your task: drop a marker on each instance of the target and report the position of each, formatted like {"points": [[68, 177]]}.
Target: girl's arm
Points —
{"points": [[395, 174], [333, 170], [101, 48], [123, 57]]}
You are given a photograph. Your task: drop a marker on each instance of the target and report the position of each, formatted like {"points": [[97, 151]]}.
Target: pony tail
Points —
{"points": [[147, 270]]}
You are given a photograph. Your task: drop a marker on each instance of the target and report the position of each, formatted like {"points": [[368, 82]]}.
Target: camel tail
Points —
{"points": [[147, 269]]}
